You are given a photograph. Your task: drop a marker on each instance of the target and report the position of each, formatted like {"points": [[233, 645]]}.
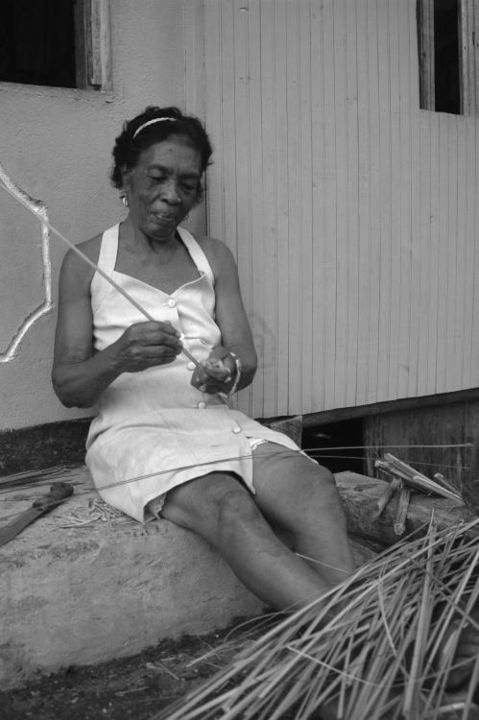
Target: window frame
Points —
{"points": [[93, 45], [468, 56], [92, 53]]}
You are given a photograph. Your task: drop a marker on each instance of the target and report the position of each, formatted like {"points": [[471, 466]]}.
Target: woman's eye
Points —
{"points": [[188, 187]]}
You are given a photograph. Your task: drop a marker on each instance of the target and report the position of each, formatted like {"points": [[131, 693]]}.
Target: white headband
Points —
{"points": [[150, 122]]}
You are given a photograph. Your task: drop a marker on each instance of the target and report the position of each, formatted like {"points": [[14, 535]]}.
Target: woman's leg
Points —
{"points": [[220, 509], [299, 495]]}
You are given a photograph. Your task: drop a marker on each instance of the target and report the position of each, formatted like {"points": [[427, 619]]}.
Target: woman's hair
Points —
{"points": [[154, 125]]}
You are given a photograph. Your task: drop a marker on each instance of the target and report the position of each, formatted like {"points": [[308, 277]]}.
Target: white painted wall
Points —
{"points": [[352, 212], [56, 145]]}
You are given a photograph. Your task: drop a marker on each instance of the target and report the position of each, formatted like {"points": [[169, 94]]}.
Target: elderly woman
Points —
{"points": [[165, 439]]}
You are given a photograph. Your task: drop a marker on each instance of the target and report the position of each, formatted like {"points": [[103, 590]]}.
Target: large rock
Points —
{"points": [[78, 595]]}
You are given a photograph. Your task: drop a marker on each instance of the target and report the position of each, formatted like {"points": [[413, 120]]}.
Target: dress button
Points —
{"points": [[202, 405], [171, 302], [191, 366], [236, 429]]}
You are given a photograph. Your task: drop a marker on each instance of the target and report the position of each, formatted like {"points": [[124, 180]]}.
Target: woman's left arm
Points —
{"points": [[230, 317]]}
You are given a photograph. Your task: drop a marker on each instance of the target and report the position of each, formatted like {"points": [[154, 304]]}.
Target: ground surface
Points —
{"points": [[137, 688], [134, 688]]}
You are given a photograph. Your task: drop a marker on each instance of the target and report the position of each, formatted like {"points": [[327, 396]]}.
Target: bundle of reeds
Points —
{"points": [[391, 465], [382, 645]]}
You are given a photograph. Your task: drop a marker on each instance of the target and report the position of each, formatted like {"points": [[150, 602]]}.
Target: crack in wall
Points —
{"points": [[39, 207]]}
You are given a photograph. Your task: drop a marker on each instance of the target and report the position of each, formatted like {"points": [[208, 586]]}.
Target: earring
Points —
{"points": [[124, 200]]}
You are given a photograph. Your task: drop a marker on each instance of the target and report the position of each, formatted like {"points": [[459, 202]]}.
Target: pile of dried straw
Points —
{"points": [[382, 645]]}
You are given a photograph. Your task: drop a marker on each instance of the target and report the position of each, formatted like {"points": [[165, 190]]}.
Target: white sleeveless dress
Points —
{"points": [[153, 430]]}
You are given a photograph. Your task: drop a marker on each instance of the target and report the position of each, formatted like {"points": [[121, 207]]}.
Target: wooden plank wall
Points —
{"points": [[439, 439], [352, 213]]}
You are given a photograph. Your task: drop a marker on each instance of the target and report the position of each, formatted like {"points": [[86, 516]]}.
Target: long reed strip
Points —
{"points": [[371, 649], [89, 262], [44, 476]]}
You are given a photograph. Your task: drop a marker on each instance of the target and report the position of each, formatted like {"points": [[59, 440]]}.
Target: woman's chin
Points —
{"points": [[160, 227]]}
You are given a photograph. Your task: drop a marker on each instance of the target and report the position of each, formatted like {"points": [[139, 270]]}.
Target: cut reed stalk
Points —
{"points": [[377, 657], [413, 683], [416, 479]]}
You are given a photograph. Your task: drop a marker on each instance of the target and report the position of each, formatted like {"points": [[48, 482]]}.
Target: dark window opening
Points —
{"points": [[337, 446], [446, 56], [62, 43], [37, 42], [447, 52]]}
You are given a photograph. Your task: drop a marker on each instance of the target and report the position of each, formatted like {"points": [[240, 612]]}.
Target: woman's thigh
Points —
{"points": [[289, 485]]}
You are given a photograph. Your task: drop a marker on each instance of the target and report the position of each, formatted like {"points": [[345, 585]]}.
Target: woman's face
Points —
{"points": [[163, 186]]}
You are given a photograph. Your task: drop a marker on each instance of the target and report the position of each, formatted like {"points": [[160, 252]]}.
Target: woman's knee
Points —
{"points": [[313, 481], [321, 474], [319, 491], [212, 505], [235, 509]]}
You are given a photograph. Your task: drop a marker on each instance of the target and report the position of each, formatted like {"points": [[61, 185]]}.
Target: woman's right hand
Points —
{"points": [[79, 374], [146, 344]]}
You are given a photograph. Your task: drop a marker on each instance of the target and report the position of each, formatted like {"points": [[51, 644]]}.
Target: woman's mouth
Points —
{"points": [[164, 217]]}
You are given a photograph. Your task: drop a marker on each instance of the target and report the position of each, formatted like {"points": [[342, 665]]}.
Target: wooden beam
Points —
{"points": [[326, 417], [92, 44], [360, 494], [99, 60], [80, 45], [425, 23], [467, 57]]}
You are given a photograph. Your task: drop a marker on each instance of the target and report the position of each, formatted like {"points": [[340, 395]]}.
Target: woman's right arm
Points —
{"points": [[79, 374]]}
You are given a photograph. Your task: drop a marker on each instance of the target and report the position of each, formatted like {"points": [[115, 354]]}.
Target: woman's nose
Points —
{"points": [[170, 191]]}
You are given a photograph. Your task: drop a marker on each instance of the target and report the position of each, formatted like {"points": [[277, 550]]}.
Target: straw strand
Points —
{"points": [[351, 659], [89, 262]]}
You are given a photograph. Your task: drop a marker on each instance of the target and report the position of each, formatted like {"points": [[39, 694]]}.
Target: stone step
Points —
{"points": [[84, 584], [83, 593]]}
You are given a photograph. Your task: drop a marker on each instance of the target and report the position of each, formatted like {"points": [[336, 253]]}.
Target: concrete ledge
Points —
{"points": [[104, 590], [80, 595]]}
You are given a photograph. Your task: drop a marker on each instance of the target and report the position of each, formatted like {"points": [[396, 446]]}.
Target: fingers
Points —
{"points": [[217, 370], [154, 352], [211, 387], [145, 345], [199, 377], [156, 333], [211, 376]]}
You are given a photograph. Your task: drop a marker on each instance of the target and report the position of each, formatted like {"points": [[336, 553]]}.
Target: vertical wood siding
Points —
{"points": [[352, 213]]}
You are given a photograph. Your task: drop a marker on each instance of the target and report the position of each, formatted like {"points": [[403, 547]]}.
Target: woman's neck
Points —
{"points": [[135, 240]]}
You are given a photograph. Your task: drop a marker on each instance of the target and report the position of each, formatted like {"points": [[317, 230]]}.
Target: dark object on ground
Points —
{"points": [[59, 492]]}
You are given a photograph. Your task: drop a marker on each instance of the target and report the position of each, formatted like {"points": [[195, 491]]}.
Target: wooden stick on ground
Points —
{"points": [[401, 513], [394, 485], [417, 480]]}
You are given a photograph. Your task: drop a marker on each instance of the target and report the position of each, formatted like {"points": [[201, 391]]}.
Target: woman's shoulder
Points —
{"points": [[217, 252], [91, 247], [75, 268]]}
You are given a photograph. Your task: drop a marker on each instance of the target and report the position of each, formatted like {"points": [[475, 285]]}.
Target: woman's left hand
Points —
{"points": [[216, 374]]}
